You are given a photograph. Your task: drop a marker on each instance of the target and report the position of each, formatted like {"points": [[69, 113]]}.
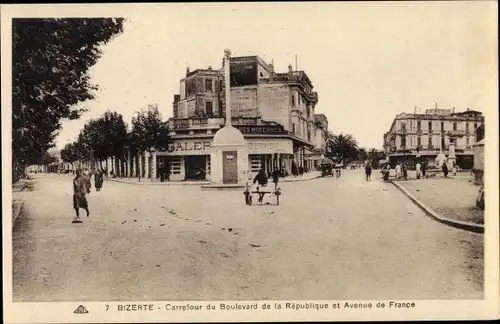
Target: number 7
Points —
{"points": [[107, 308]]}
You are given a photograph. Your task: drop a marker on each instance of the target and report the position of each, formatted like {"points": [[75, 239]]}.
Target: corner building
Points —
{"points": [[274, 111], [437, 130]]}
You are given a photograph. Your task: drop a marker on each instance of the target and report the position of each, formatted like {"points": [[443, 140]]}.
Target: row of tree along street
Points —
{"points": [[107, 138]]}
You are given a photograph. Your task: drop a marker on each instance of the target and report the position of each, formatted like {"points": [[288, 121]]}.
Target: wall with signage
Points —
{"points": [[244, 102], [243, 73], [188, 147], [270, 146]]}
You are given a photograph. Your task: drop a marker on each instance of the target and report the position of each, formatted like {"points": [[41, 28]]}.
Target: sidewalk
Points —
{"points": [[17, 203], [449, 200], [147, 181]]}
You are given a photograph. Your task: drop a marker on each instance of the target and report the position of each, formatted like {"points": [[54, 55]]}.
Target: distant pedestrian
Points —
{"points": [[404, 168], [386, 171], [98, 180], [424, 168], [276, 176], [368, 172], [445, 169], [454, 168], [80, 189], [398, 171], [418, 167]]}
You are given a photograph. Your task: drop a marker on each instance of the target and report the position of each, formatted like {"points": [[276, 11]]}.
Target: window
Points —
{"points": [[419, 142], [442, 143], [429, 142], [403, 126], [293, 128], [293, 100], [475, 126], [430, 126], [419, 126], [403, 142], [454, 126], [442, 126], [467, 127], [467, 140], [209, 86], [209, 109]]}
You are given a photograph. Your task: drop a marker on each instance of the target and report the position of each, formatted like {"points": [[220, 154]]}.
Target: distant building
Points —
{"points": [[426, 135]]}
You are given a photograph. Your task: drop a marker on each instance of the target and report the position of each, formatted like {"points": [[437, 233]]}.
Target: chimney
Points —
{"points": [[187, 70], [271, 67], [290, 69], [210, 68]]}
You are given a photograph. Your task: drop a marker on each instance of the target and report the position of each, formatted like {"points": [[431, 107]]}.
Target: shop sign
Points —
{"points": [[187, 147], [269, 129], [269, 147]]}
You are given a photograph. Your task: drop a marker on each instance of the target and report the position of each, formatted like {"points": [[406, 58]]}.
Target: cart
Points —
{"points": [[260, 192], [326, 167]]}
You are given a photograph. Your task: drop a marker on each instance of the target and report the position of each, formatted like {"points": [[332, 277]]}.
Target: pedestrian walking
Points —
{"points": [[424, 168], [398, 170], [276, 176], [80, 189], [418, 167], [368, 172], [445, 169], [454, 169], [98, 180]]}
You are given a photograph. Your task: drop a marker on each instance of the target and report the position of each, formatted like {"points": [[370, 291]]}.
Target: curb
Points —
{"points": [[149, 183], [471, 227], [300, 180]]}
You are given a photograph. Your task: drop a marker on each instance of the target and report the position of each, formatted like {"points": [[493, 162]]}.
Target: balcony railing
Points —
{"points": [[212, 123]]}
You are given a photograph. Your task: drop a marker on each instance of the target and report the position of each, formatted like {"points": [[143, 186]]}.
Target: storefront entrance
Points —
{"points": [[195, 167], [230, 167]]}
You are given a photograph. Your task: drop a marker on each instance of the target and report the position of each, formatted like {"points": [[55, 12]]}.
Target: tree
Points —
{"points": [[50, 63], [150, 133], [362, 154], [342, 146]]}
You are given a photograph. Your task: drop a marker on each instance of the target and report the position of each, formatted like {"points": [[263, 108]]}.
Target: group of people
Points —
{"points": [[81, 187]]}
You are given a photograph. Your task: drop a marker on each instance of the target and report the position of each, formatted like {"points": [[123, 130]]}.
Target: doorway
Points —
{"points": [[195, 167], [230, 167]]}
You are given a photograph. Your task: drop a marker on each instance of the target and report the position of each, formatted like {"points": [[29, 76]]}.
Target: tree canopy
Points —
{"points": [[342, 146], [150, 133], [50, 63]]}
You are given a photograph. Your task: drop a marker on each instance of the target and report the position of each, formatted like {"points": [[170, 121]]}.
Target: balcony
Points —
{"points": [[196, 123], [456, 133]]}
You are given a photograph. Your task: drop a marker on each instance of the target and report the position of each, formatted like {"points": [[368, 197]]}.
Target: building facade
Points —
{"points": [[274, 111], [426, 135]]}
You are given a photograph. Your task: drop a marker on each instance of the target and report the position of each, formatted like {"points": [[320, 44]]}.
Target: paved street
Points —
{"points": [[329, 239]]}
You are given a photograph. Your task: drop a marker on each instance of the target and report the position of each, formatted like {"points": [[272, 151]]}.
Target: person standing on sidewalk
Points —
{"points": [[368, 172], [418, 167], [424, 168], [80, 189]]}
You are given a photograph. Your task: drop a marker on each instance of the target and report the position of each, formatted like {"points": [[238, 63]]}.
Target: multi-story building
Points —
{"points": [[274, 111], [426, 135]]}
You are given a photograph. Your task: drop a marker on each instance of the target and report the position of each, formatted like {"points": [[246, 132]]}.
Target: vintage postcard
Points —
{"points": [[215, 162]]}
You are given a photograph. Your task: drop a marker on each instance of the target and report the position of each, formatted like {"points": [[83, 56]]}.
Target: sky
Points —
{"points": [[368, 61]]}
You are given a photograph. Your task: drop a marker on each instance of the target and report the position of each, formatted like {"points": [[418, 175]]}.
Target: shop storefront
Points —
{"points": [[189, 159]]}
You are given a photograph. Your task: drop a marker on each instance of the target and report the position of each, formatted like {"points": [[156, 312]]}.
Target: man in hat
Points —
{"points": [[80, 189]]}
